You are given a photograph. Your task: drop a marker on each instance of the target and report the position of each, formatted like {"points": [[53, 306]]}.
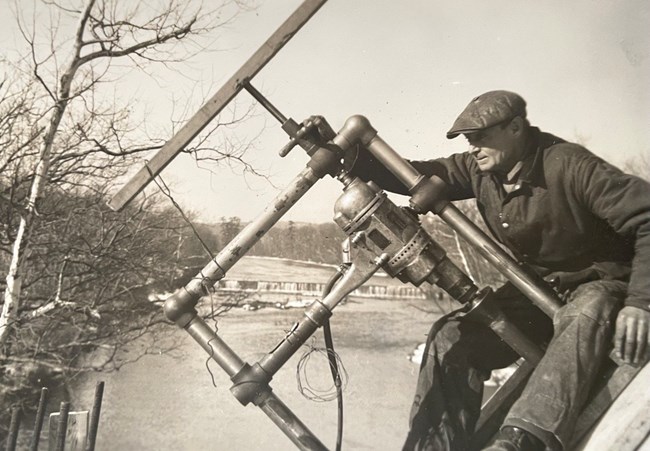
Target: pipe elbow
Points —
{"points": [[357, 129], [179, 305]]}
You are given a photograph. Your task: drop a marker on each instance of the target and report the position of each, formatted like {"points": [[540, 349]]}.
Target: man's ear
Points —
{"points": [[516, 126]]}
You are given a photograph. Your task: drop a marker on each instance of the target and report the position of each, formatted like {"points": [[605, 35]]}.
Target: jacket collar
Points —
{"points": [[532, 171]]}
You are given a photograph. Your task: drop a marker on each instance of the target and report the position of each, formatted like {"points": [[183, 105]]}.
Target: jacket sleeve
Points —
{"points": [[455, 171], [623, 201]]}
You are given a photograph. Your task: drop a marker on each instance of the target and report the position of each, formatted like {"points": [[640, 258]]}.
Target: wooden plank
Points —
{"points": [[625, 424], [214, 106], [76, 433]]}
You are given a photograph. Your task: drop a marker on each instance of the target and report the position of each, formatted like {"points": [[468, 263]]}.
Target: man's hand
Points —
{"points": [[632, 337], [322, 127]]}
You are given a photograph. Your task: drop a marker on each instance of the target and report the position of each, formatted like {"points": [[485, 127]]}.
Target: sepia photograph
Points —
{"points": [[324, 225]]}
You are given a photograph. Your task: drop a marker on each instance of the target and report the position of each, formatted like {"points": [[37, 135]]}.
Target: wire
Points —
{"points": [[339, 375], [167, 193], [205, 281], [333, 358]]}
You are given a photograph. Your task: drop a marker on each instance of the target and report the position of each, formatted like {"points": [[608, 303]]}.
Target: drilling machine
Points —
{"points": [[382, 235]]}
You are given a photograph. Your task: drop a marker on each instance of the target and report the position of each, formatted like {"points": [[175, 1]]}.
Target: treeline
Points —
{"points": [[319, 243], [322, 243]]}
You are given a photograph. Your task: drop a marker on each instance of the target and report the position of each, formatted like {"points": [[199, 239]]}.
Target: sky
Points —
{"points": [[411, 67]]}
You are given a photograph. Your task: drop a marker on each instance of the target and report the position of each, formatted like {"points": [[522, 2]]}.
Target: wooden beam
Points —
{"points": [[75, 433], [214, 106]]}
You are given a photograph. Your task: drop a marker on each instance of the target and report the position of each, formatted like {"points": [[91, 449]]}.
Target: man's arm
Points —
{"points": [[455, 172], [624, 202]]}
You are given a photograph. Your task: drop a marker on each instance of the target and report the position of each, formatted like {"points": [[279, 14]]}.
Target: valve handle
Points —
{"points": [[307, 126]]}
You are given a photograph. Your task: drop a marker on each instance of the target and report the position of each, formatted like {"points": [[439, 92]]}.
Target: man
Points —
{"points": [[578, 221]]}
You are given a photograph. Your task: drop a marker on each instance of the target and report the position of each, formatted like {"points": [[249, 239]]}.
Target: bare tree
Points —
{"points": [[79, 277], [74, 137]]}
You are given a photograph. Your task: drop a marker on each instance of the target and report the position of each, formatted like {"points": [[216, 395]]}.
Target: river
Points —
{"points": [[166, 403]]}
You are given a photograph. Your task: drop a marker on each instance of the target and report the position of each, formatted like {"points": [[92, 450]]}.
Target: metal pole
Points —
{"points": [[318, 312], [94, 417], [531, 285], [14, 426], [265, 102], [270, 404], [216, 348], [62, 428], [289, 423], [485, 311], [38, 421], [216, 269]]}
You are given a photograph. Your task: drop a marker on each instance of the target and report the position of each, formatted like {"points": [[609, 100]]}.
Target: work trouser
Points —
{"points": [[460, 355]]}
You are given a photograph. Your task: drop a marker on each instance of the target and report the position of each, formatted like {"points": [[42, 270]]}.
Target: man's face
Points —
{"points": [[493, 148]]}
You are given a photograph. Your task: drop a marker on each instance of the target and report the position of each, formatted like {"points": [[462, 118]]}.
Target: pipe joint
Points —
{"points": [[250, 384], [179, 307], [317, 313], [429, 194], [357, 129], [326, 160]]}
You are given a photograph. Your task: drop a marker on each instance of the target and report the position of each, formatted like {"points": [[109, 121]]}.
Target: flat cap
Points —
{"points": [[487, 110]]}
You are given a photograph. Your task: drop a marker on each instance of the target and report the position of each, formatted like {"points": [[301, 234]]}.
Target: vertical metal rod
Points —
{"points": [[38, 421], [14, 426], [94, 417], [62, 428]]}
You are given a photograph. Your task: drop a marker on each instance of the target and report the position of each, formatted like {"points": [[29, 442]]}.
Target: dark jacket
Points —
{"points": [[571, 211]]}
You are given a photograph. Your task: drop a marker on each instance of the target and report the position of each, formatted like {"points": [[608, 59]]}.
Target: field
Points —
{"points": [[164, 403]]}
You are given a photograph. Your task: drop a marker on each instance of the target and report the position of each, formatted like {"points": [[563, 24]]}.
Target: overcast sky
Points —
{"points": [[410, 67]]}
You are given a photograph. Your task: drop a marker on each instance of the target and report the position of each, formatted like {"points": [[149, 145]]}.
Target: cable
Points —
{"points": [[332, 357]]}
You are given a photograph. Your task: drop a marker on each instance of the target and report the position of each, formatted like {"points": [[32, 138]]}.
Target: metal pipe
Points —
{"points": [[38, 421], [290, 424], [277, 411], [252, 233], [94, 417], [14, 426], [531, 285], [179, 307], [485, 311], [216, 348], [62, 427], [318, 312], [402, 169]]}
